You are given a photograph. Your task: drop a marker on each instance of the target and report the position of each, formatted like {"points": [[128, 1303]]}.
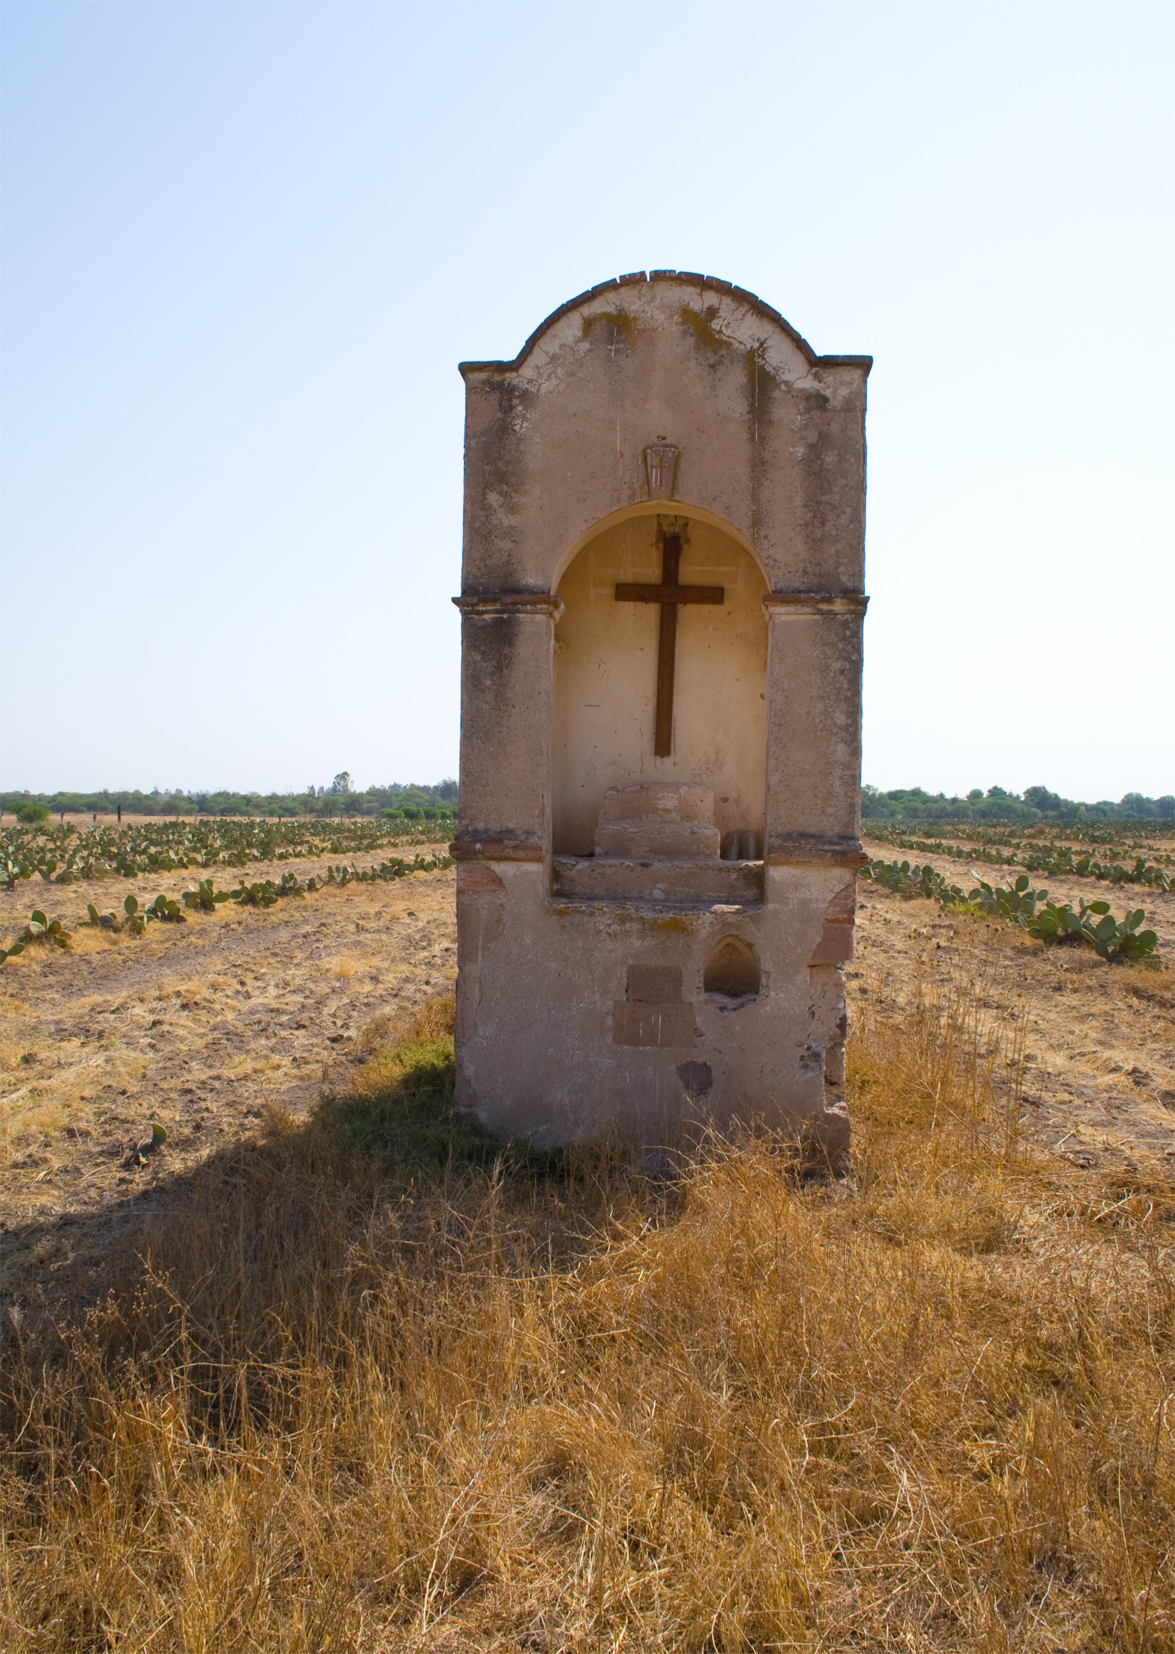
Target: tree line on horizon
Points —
{"points": [[1035, 804], [332, 802]]}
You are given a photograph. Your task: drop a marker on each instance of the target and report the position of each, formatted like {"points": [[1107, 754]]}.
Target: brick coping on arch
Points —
{"points": [[692, 279]]}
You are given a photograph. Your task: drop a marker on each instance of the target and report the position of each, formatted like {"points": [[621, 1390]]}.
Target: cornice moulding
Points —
{"points": [[511, 603], [814, 603]]}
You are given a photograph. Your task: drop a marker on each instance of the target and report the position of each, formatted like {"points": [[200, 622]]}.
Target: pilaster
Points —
{"points": [[507, 651], [814, 659]]}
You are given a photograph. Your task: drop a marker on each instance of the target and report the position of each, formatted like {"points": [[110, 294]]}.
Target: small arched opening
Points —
{"points": [[732, 970]]}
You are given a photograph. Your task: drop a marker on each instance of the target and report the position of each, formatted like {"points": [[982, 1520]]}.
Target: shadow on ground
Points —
{"points": [[390, 1137]]}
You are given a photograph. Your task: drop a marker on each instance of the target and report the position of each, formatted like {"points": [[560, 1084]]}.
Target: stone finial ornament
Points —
{"points": [[661, 464]]}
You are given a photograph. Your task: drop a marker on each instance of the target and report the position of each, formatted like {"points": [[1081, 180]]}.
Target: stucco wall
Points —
{"points": [[555, 1038], [541, 984]]}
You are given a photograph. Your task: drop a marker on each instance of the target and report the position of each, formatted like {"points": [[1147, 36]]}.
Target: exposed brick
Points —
{"points": [[835, 946], [695, 1076], [477, 878], [843, 906], [657, 1025]]}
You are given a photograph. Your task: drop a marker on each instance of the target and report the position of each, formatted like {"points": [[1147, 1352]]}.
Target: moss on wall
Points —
{"points": [[624, 328], [701, 325]]}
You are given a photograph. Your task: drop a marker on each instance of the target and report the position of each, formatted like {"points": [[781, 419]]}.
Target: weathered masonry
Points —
{"points": [[662, 607]]}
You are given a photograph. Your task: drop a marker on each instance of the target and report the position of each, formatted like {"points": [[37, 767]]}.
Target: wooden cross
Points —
{"points": [[668, 594]]}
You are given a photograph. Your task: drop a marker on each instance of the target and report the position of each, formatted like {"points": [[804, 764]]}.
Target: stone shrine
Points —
{"points": [[662, 609]]}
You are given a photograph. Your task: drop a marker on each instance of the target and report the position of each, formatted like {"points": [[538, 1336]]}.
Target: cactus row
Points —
{"points": [[1057, 859], [1089, 922], [63, 854], [205, 898]]}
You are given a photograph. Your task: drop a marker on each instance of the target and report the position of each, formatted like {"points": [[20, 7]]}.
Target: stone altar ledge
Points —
{"points": [[696, 883]]}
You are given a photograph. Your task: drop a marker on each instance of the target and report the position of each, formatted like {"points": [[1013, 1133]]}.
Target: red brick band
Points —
{"points": [[499, 847], [815, 852]]}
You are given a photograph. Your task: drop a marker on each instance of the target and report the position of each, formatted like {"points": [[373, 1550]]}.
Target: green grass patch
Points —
{"points": [[397, 1116], [400, 1112]]}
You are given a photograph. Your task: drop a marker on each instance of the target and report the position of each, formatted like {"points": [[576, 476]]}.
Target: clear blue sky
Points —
{"points": [[245, 246]]}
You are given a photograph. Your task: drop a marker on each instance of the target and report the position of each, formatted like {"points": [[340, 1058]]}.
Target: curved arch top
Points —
{"points": [[653, 508], [713, 285], [766, 439]]}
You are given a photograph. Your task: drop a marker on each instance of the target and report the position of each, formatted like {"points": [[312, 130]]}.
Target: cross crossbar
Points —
{"points": [[668, 593]]}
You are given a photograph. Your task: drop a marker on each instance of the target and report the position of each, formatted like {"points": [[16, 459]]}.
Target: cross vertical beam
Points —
{"points": [[667, 651], [668, 594]]}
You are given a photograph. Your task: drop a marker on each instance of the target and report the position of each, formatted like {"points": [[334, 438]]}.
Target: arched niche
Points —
{"points": [[696, 514], [606, 676], [731, 969]]}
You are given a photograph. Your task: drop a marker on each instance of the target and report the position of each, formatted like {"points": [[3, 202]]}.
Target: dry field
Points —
{"points": [[199, 1026], [274, 1389], [1099, 1043]]}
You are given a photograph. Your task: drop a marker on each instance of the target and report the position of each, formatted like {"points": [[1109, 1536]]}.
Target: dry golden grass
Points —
{"points": [[561, 1407]]}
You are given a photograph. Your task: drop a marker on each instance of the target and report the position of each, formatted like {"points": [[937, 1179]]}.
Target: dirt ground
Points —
{"points": [[204, 1026], [1098, 1075], [199, 1026]]}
